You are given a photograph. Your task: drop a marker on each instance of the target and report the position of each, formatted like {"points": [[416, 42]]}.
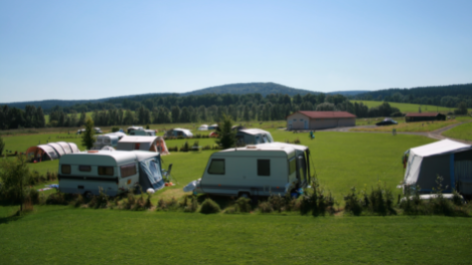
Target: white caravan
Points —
{"points": [[143, 132], [114, 172], [256, 170]]}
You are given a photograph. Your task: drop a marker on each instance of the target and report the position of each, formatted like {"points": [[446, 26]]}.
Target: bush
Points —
{"points": [[352, 202], [184, 148], [277, 202], [57, 198], [33, 196], [243, 205], [100, 201], [209, 206], [190, 205], [317, 201], [265, 207], [167, 205]]}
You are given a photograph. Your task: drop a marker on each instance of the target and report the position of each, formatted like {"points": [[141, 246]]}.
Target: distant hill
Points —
{"points": [[248, 88], [427, 91]]}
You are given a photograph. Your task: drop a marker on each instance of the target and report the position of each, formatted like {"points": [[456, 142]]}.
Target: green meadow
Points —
{"points": [[406, 107], [463, 132], [64, 235], [342, 160]]}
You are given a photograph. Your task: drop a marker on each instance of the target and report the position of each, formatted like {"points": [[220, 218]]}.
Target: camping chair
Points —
{"points": [[166, 173]]}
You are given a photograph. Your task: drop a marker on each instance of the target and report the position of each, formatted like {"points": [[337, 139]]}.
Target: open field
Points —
{"points": [[463, 132], [406, 107], [64, 235], [422, 126]]}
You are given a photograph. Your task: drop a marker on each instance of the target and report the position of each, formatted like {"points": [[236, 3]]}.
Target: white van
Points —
{"points": [[256, 170], [113, 171]]}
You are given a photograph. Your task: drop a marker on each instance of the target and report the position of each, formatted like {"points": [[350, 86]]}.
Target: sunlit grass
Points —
{"points": [[424, 126]]}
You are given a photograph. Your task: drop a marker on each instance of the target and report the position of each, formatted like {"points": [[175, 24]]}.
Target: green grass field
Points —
{"points": [[67, 235], [463, 132], [64, 235], [406, 107]]}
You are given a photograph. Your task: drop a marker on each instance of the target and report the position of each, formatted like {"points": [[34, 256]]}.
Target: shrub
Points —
{"points": [[167, 205], [231, 210], [184, 148], [190, 205], [33, 196], [352, 202], [316, 200], [277, 202], [209, 206], [243, 205], [265, 207], [100, 201], [57, 198], [79, 201], [380, 201]]}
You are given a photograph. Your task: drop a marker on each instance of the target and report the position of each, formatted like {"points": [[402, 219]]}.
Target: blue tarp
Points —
{"points": [[151, 174]]}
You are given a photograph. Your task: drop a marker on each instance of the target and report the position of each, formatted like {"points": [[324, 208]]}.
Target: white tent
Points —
{"points": [[253, 136], [145, 143], [448, 159]]}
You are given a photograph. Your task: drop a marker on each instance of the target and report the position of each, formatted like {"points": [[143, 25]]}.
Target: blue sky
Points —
{"points": [[95, 49]]}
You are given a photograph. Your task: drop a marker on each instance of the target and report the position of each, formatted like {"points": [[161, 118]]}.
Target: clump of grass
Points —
{"points": [[58, 198], [33, 196], [209, 206], [79, 201], [378, 201]]}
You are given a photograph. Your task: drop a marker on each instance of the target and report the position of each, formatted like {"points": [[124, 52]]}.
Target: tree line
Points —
{"points": [[184, 109], [14, 118]]}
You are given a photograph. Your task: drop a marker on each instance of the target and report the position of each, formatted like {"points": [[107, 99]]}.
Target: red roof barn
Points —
{"points": [[315, 120]]}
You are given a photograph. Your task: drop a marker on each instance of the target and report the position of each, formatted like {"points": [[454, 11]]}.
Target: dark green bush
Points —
{"points": [[316, 200], [209, 206], [265, 207], [352, 202]]}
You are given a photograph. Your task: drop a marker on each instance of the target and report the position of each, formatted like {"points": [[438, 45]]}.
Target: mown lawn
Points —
{"points": [[64, 235], [405, 107], [423, 126], [463, 132]]}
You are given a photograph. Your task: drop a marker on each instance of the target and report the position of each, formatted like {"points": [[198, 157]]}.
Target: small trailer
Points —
{"points": [[114, 172], [256, 170], [143, 132]]}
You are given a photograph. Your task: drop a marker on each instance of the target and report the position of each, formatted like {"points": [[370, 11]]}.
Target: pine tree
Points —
{"points": [[87, 137]]}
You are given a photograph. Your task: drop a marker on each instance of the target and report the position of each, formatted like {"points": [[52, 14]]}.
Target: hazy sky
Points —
{"points": [[95, 49]]}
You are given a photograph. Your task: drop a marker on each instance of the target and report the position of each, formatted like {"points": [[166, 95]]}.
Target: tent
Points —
{"points": [[51, 151], [448, 159], [150, 172], [145, 143]]}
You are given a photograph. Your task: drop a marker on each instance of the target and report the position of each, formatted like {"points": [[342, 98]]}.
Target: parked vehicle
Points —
{"points": [[112, 171], [176, 132], [253, 136], [256, 170], [143, 132], [386, 121]]}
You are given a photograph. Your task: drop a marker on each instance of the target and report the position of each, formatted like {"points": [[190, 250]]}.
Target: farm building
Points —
{"points": [[448, 159], [314, 120], [51, 151], [427, 116]]}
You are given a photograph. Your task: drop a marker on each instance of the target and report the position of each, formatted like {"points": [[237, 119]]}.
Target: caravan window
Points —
{"points": [[263, 167], [107, 171], [65, 169], [128, 170], [217, 167]]}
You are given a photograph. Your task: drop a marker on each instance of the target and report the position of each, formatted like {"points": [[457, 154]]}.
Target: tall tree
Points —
{"points": [[226, 136], [87, 136]]}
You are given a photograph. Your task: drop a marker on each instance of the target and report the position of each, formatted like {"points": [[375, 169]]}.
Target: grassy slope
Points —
{"points": [[463, 132], [405, 107], [62, 235]]}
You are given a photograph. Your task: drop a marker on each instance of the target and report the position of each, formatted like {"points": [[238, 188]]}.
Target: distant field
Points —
{"points": [[463, 132], [405, 107], [64, 235], [409, 127]]}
